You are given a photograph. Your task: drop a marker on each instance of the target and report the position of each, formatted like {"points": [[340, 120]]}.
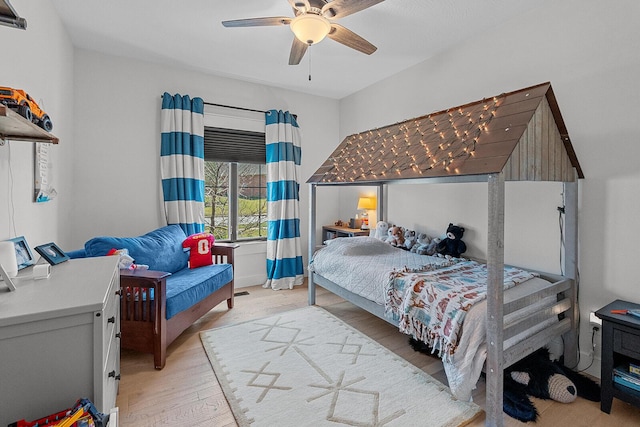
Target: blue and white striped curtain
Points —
{"points": [[182, 161], [284, 250]]}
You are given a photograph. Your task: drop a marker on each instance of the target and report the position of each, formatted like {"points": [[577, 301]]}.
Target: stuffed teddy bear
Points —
{"points": [[452, 245], [538, 376], [396, 236], [422, 241], [409, 239], [382, 229]]}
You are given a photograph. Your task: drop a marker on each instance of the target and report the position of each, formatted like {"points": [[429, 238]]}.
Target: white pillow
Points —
{"points": [[360, 245]]}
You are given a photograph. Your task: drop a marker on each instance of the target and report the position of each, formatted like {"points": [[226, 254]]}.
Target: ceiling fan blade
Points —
{"points": [[258, 22], [350, 39], [298, 49], [340, 8], [300, 6]]}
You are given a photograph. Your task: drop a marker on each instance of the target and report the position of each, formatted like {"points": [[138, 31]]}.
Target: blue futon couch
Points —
{"points": [[158, 304]]}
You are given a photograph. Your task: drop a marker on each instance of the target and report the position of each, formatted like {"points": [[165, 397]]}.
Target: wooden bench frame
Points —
{"points": [[143, 316]]}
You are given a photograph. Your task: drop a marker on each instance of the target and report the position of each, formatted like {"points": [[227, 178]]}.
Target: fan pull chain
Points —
{"points": [[309, 56]]}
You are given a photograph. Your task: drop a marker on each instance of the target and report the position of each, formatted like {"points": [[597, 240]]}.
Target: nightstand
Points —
{"points": [[332, 231], [620, 345]]}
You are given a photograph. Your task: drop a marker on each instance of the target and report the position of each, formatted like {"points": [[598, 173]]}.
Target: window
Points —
{"points": [[235, 184]]}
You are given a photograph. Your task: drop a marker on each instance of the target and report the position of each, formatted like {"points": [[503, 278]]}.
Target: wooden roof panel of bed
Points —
{"points": [[521, 133]]}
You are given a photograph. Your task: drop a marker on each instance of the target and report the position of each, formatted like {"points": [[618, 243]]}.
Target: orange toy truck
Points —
{"points": [[20, 101]]}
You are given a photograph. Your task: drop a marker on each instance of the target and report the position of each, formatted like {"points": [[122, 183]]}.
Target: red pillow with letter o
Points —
{"points": [[200, 245]]}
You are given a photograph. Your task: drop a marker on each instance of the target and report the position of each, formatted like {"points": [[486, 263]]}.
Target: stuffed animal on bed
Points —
{"points": [[396, 236], [432, 248], [538, 376], [452, 245], [390, 238], [409, 239], [382, 229], [422, 241]]}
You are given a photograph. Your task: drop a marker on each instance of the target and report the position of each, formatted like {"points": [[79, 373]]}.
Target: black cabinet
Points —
{"points": [[620, 346]]}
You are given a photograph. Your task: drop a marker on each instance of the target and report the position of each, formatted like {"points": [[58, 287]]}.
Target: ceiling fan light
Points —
{"points": [[310, 28]]}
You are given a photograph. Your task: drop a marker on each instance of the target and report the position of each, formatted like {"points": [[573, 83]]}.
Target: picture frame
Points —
{"points": [[7, 279], [24, 256], [52, 253]]}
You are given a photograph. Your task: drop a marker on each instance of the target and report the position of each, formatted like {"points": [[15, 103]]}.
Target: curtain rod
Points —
{"points": [[238, 108], [231, 106]]}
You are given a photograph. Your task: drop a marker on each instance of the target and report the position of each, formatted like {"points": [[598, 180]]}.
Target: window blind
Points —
{"points": [[233, 145]]}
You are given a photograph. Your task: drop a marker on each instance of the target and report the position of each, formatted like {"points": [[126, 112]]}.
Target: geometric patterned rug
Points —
{"points": [[306, 367]]}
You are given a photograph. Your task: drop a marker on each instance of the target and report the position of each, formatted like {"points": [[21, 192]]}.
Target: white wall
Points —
{"points": [[587, 49], [40, 61], [117, 128]]}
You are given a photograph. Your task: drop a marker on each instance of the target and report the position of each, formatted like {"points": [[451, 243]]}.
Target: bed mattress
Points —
{"points": [[362, 264]]}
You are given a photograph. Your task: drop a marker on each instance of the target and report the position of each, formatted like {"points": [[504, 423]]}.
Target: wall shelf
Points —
{"points": [[15, 127]]}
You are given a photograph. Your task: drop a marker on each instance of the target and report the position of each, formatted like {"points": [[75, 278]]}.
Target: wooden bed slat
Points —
{"points": [[511, 304], [534, 319], [515, 352]]}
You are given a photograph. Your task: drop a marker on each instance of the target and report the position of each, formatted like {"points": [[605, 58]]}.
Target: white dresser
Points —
{"points": [[59, 340]]}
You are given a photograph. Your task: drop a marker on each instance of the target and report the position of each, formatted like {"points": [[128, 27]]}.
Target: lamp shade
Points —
{"points": [[8, 258], [310, 28], [367, 203]]}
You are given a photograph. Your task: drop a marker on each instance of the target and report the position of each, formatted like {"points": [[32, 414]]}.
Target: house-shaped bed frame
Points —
{"points": [[516, 136]]}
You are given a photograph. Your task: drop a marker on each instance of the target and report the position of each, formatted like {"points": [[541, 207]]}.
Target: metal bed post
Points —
{"points": [[312, 242], [495, 301], [381, 205], [570, 267]]}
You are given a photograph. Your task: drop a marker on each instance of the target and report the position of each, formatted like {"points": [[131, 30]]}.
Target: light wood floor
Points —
{"points": [[186, 392]]}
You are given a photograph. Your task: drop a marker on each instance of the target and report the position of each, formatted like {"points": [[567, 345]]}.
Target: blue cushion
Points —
{"points": [[160, 249], [76, 253], [189, 286]]}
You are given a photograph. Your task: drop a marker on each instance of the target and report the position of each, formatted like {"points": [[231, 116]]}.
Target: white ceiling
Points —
{"points": [[189, 34]]}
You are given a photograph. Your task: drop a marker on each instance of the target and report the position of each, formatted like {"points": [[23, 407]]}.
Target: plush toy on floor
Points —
{"points": [[452, 245], [538, 376]]}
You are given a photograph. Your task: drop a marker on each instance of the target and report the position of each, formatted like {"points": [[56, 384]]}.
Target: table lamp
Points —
{"points": [[366, 204]]}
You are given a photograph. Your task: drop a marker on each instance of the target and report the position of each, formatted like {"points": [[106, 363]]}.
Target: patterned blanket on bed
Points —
{"points": [[431, 305]]}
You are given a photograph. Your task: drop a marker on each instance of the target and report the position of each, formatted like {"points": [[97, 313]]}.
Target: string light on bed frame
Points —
{"points": [[414, 146]]}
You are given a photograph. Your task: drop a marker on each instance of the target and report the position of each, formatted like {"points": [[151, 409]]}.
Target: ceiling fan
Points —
{"points": [[312, 23]]}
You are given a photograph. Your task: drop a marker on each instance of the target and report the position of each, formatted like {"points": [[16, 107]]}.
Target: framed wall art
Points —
{"points": [[43, 189]]}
